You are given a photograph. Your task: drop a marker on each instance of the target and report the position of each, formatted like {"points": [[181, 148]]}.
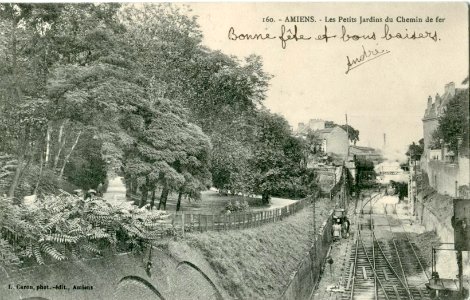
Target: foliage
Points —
{"points": [[94, 90], [7, 254], [44, 43], [278, 158], [65, 226], [87, 167], [401, 188], [237, 206], [415, 151], [365, 172], [454, 124], [353, 133]]}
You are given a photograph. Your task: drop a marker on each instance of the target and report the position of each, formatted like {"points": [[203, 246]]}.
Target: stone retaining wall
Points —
{"points": [[123, 276]]}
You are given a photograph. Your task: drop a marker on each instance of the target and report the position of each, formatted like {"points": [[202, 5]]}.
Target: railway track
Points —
{"points": [[408, 258], [384, 269]]}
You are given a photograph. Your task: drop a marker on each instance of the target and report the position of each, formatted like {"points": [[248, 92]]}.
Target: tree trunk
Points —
{"points": [[163, 198], [178, 204], [16, 178], [14, 45], [70, 153], [129, 187], [265, 198], [152, 201], [21, 162], [134, 187], [143, 199], [48, 144], [61, 144], [40, 173], [24, 160]]}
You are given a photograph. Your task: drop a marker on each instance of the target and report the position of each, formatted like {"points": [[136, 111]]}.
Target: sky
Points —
{"points": [[385, 95]]}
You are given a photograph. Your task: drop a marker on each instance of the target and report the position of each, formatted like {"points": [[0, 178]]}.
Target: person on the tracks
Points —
{"points": [[337, 230], [345, 228]]}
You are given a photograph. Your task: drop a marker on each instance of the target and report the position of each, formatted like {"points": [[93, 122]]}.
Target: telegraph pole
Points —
{"points": [[347, 131], [314, 224], [313, 251]]}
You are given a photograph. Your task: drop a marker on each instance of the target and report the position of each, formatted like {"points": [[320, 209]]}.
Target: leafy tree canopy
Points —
{"points": [[454, 124]]}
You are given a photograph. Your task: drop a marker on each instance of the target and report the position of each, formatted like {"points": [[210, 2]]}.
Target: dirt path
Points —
{"points": [[116, 192], [276, 203]]}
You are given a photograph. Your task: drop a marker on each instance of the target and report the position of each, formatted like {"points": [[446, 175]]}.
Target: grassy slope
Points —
{"points": [[257, 263], [425, 241], [440, 205]]}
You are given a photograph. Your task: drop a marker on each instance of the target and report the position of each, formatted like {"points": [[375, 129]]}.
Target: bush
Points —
{"points": [[59, 227], [237, 206]]}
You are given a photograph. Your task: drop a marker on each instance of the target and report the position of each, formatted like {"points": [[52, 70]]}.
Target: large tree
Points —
{"points": [[278, 157], [454, 124], [40, 41], [415, 150]]}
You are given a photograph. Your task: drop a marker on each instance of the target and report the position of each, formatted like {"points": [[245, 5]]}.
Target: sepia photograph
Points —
{"points": [[223, 150]]}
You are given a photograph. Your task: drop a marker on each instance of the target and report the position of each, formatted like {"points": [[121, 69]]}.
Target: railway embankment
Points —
{"points": [[434, 211], [261, 262]]}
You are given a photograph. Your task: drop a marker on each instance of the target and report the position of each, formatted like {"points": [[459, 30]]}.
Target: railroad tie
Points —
{"points": [[385, 274], [364, 273], [421, 296], [396, 292]]}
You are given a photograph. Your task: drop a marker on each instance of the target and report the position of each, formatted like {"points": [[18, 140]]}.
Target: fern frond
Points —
{"points": [[52, 252], [59, 238], [7, 253], [37, 255], [90, 248], [56, 219], [97, 233], [29, 250], [75, 253]]}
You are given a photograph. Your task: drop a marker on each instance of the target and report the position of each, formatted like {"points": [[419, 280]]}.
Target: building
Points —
{"points": [[366, 153], [313, 125], [431, 120], [388, 171], [446, 173], [333, 141]]}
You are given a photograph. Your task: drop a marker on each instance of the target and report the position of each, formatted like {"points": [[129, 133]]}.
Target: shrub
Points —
{"points": [[237, 206], [65, 226]]}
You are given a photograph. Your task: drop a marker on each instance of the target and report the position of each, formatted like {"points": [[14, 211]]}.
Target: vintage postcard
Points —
{"points": [[234, 150]]}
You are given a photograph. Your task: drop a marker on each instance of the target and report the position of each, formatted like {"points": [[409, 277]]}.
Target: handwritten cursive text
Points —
{"points": [[366, 56]]}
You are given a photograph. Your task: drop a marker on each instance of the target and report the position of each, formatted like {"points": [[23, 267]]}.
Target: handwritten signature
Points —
{"points": [[365, 57]]}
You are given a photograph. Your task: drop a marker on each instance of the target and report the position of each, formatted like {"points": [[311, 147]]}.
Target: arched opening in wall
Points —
{"points": [[192, 283], [135, 287]]}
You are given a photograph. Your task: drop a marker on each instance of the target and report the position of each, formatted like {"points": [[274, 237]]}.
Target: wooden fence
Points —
{"points": [[187, 222], [304, 280]]}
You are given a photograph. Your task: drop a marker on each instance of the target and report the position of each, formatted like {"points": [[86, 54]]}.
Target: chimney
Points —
{"points": [[450, 88], [438, 100], [429, 102]]}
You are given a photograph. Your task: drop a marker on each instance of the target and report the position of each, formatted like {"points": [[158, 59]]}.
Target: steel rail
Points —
{"points": [[373, 268], [413, 249], [371, 197], [404, 284], [354, 271], [396, 251], [400, 263], [376, 293]]}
